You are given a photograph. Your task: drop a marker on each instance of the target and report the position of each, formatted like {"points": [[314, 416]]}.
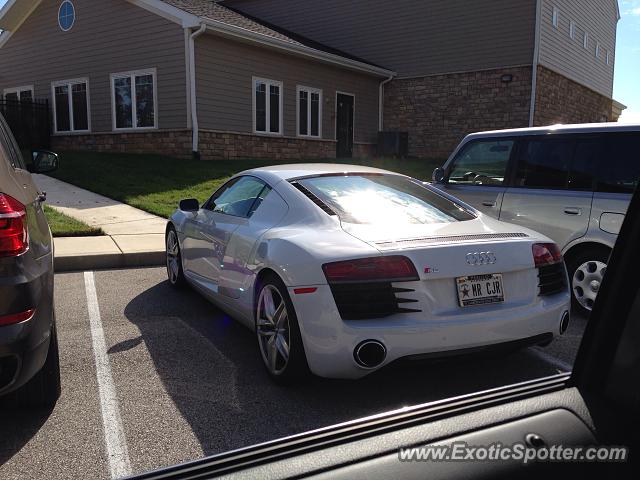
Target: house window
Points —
{"points": [[309, 112], [597, 49], [267, 106], [71, 105], [572, 30], [585, 41], [134, 102], [23, 94], [555, 18], [608, 57], [66, 16]]}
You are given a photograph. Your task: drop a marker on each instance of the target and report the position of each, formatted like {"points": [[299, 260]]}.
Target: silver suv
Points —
{"points": [[572, 183], [29, 364]]}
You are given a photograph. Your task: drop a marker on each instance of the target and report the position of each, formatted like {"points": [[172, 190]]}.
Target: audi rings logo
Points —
{"points": [[481, 258]]}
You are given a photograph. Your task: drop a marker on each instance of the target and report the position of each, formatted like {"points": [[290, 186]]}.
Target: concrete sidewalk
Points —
{"points": [[133, 237]]}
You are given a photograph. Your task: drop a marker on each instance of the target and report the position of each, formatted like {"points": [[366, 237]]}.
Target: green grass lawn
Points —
{"points": [[65, 226], [156, 183]]}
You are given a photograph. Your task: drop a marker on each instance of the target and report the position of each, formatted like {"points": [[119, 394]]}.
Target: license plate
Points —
{"points": [[480, 289]]}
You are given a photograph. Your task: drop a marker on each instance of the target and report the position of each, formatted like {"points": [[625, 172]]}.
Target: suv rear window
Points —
{"points": [[620, 170], [383, 199]]}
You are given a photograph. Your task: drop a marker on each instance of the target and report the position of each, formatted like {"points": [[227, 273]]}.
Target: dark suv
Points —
{"points": [[28, 343]]}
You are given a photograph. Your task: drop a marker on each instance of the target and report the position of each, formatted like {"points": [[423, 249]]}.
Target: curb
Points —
{"points": [[69, 263]]}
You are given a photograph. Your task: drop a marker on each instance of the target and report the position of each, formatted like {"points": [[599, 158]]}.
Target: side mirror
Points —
{"points": [[189, 205], [438, 175], [43, 161]]}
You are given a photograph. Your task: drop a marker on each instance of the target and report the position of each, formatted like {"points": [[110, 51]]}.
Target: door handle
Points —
{"points": [[572, 211], [487, 203]]}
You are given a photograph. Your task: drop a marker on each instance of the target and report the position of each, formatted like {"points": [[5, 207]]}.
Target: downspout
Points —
{"points": [[192, 90], [534, 66], [381, 102]]}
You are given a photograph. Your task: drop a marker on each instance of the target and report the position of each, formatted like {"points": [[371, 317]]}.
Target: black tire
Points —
{"points": [[176, 277], [44, 389], [296, 369], [592, 254]]}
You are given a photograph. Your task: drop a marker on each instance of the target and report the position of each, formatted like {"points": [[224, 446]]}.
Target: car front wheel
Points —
{"points": [[175, 273], [278, 333]]}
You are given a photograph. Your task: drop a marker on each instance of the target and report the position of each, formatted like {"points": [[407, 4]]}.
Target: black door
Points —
{"points": [[344, 126]]}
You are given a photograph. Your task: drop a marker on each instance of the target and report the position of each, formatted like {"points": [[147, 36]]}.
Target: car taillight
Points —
{"points": [[14, 238], [16, 317], [393, 268], [546, 254]]}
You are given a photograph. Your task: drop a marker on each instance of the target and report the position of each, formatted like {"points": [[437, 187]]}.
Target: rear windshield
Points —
{"points": [[384, 199]]}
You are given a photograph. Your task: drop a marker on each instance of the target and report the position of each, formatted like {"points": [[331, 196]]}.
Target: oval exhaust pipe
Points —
{"points": [[564, 323], [370, 353]]}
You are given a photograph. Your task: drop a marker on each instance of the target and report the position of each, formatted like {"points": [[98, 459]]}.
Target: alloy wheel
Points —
{"points": [[173, 257], [272, 328], [586, 282]]}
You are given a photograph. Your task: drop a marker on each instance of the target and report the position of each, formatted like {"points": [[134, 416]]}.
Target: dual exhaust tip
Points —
{"points": [[370, 353]]}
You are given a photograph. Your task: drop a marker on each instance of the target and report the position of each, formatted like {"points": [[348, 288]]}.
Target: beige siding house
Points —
{"points": [[305, 78]]}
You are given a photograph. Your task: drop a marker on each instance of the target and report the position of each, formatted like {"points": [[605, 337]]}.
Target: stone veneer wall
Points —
{"points": [[214, 145], [561, 100], [439, 110]]}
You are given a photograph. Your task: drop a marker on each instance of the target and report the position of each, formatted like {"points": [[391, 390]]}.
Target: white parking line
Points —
{"points": [[115, 440], [556, 362]]}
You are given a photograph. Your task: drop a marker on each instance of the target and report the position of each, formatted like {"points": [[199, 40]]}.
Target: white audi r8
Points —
{"points": [[341, 269]]}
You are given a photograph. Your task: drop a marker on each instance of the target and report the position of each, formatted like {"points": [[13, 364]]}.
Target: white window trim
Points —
{"points": [[585, 41], [335, 126], [74, 15], [555, 17], [134, 114], [17, 90], [572, 30], [268, 83], [69, 83], [608, 57], [597, 49], [309, 90]]}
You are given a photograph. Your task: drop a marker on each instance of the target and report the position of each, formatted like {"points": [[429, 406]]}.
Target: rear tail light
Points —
{"points": [[16, 317], [393, 269], [546, 254], [14, 238]]}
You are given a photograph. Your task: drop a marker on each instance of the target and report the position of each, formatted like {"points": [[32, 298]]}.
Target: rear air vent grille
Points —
{"points": [[449, 238], [314, 199], [370, 300], [552, 279]]}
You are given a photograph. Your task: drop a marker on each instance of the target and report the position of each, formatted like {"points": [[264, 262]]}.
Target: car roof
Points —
{"points": [[297, 170], [573, 128]]}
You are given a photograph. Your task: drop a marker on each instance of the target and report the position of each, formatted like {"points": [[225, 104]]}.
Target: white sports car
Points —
{"points": [[342, 269]]}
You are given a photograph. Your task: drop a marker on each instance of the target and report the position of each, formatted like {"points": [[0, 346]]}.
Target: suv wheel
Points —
{"points": [[586, 271]]}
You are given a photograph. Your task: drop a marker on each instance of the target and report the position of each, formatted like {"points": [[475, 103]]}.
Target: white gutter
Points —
{"points": [[192, 89], [381, 102], [534, 66], [299, 49]]}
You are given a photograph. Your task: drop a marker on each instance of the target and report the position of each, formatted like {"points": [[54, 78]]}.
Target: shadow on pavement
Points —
{"points": [[210, 366], [18, 426]]}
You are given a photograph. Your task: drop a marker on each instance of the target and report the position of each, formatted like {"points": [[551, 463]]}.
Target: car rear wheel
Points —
{"points": [[278, 333], [174, 260], [43, 390], [586, 271]]}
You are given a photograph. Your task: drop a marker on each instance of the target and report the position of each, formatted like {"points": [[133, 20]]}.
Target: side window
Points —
{"points": [[544, 163], [10, 146], [240, 198], [620, 170], [482, 162], [587, 153]]}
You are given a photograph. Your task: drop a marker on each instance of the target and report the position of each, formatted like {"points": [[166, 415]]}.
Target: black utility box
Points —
{"points": [[393, 144]]}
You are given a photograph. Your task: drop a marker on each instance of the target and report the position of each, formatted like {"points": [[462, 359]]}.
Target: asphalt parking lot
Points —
{"points": [[173, 379]]}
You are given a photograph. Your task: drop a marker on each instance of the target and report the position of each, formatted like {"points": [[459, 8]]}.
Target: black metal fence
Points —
{"points": [[29, 122]]}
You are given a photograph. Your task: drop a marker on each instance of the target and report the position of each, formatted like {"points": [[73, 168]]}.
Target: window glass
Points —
{"points": [[383, 199], [26, 96], [238, 198], [144, 101], [66, 15], [544, 163], [304, 113], [261, 107], [315, 114], [11, 96], [620, 170], [79, 106], [274, 123], [482, 162], [123, 101], [63, 119], [585, 158]]}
